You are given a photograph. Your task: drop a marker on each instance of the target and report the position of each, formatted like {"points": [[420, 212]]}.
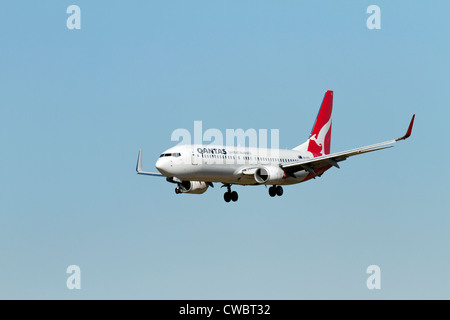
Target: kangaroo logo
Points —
{"points": [[318, 145]]}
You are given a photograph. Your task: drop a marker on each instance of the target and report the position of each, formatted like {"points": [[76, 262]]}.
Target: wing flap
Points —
{"points": [[334, 158]]}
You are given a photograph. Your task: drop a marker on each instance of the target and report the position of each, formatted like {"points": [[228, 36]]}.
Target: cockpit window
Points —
{"points": [[170, 155]]}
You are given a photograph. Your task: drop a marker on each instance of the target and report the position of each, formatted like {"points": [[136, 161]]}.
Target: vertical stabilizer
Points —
{"points": [[319, 141]]}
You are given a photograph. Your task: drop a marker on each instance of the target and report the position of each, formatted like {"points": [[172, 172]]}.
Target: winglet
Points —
{"points": [[139, 167], [139, 162], [408, 133]]}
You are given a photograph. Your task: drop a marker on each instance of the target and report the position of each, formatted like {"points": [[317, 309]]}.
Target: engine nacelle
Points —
{"points": [[269, 174], [195, 187]]}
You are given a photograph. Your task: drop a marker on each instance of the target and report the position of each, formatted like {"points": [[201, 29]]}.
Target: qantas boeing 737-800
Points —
{"points": [[194, 168]]}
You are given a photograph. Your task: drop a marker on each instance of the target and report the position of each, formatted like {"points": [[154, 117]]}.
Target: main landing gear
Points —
{"points": [[230, 195], [276, 191]]}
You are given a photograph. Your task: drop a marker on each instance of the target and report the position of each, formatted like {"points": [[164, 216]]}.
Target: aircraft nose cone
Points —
{"points": [[158, 164], [161, 165]]}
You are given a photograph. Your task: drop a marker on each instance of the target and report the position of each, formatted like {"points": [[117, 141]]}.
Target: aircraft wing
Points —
{"points": [[332, 159], [139, 167]]}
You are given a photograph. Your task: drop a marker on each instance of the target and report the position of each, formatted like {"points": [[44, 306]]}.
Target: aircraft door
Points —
{"points": [[195, 157]]}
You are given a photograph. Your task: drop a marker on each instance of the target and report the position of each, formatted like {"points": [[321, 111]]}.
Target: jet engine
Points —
{"points": [[269, 174], [194, 187]]}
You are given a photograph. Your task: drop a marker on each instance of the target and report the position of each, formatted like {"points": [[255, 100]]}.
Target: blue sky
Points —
{"points": [[77, 105]]}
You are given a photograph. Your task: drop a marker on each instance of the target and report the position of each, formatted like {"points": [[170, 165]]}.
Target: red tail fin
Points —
{"points": [[320, 139]]}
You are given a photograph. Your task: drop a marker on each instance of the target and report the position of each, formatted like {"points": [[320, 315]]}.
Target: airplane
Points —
{"points": [[194, 168]]}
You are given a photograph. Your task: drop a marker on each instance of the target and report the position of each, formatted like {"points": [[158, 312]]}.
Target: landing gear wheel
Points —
{"points": [[227, 196], [177, 190], [272, 191], [234, 196], [279, 191]]}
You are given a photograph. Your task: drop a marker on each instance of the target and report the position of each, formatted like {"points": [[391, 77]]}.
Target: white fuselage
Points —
{"points": [[228, 165]]}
